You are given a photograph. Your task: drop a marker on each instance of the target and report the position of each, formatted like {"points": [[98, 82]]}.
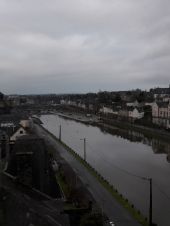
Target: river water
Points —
{"points": [[123, 158]]}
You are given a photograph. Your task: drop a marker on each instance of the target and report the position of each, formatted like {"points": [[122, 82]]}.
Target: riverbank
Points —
{"points": [[98, 186], [111, 124]]}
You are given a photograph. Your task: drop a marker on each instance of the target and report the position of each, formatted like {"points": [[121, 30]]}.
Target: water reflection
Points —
{"points": [[158, 146], [168, 158]]}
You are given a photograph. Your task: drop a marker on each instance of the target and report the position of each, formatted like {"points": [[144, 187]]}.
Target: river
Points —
{"points": [[123, 158]]}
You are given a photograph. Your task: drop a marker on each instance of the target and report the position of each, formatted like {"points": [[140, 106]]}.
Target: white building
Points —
{"points": [[133, 104], [108, 110], [18, 133], [136, 113], [62, 101]]}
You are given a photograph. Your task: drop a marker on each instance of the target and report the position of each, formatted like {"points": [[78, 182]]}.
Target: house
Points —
{"points": [[21, 131], [82, 105], [166, 98], [106, 110], [155, 110], [162, 122], [133, 104], [136, 113], [149, 103], [123, 112], [72, 103], [29, 162], [91, 107], [25, 123], [62, 101], [131, 112], [161, 92], [109, 110], [161, 114], [161, 110]]}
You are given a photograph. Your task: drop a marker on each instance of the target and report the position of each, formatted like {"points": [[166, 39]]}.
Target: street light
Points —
{"points": [[150, 200], [60, 133], [84, 139]]}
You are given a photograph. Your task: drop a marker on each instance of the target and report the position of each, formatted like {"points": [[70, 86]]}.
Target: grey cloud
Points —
{"points": [[78, 45]]}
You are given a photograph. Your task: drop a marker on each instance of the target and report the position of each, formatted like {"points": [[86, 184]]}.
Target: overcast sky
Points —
{"points": [[64, 46]]}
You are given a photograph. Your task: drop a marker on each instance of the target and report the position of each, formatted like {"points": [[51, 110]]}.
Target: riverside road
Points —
{"points": [[109, 205]]}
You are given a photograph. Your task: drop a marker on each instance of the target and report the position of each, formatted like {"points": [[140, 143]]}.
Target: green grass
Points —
{"points": [[62, 183]]}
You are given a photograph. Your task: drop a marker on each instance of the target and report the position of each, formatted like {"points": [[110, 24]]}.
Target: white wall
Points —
{"points": [[20, 132]]}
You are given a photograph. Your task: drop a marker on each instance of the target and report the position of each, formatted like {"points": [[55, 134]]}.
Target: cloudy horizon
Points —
{"points": [[83, 46]]}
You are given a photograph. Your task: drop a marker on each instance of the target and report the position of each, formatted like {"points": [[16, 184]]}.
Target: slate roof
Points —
{"points": [[161, 91], [131, 108], [162, 104]]}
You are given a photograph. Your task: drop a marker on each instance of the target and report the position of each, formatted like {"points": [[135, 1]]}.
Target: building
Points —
{"points": [[131, 112], [136, 113], [123, 113], [108, 110], [20, 131], [161, 92], [4, 105], [166, 98], [161, 110], [161, 114], [148, 103], [29, 163], [133, 104]]}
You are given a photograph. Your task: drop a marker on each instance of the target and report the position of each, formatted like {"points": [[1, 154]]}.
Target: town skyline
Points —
{"points": [[4, 91]]}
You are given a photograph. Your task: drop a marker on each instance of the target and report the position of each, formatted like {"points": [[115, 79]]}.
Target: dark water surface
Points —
{"points": [[120, 157]]}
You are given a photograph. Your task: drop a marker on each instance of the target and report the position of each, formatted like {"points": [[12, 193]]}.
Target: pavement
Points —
{"points": [[115, 212]]}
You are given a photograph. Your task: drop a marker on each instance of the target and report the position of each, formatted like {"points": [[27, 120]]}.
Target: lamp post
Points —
{"points": [[60, 133], [84, 140], [150, 202]]}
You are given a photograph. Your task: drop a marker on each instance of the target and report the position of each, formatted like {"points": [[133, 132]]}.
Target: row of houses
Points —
{"points": [[159, 110], [79, 104], [157, 107], [129, 110]]}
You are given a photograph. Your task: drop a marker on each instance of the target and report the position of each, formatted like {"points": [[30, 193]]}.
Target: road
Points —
{"points": [[109, 205]]}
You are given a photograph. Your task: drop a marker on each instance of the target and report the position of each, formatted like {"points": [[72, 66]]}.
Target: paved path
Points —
{"points": [[110, 206]]}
